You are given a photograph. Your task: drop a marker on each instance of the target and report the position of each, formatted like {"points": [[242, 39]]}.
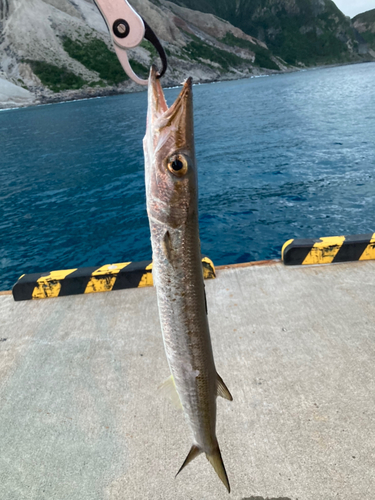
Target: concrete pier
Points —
{"points": [[81, 417]]}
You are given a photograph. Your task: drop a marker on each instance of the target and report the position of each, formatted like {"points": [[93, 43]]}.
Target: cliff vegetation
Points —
{"points": [[67, 53]]}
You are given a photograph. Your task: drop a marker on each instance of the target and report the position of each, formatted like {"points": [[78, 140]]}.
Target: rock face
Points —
{"points": [[61, 49], [300, 31], [13, 96], [365, 25]]}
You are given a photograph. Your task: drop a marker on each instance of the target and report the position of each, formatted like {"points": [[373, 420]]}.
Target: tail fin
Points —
{"points": [[193, 453], [217, 463], [215, 460]]}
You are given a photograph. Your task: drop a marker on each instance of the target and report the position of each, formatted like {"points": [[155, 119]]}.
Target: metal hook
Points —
{"points": [[127, 29], [151, 37]]}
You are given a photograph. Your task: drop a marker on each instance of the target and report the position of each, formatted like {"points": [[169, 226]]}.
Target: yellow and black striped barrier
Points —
{"points": [[329, 250], [91, 280]]}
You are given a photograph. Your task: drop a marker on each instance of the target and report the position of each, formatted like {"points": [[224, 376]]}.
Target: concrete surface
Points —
{"points": [[81, 417]]}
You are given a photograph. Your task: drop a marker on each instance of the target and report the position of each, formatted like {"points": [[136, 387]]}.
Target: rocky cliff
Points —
{"points": [[60, 49], [365, 25], [299, 31]]}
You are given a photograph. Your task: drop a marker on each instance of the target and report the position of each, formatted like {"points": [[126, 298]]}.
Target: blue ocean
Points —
{"points": [[279, 157]]}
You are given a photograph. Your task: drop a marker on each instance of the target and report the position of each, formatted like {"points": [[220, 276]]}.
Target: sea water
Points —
{"points": [[287, 156]]}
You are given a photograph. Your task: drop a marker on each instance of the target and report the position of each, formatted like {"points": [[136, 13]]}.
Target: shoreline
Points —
{"points": [[86, 94]]}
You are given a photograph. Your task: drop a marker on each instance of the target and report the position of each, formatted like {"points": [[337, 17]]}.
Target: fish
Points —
{"points": [[172, 208]]}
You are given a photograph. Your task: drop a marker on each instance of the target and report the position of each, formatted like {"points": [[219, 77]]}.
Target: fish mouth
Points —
{"points": [[158, 107]]}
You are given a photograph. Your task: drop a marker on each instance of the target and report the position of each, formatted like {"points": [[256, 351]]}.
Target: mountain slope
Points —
{"points": [[299, 31], [67, 52], [61, 49], [365, 24]]}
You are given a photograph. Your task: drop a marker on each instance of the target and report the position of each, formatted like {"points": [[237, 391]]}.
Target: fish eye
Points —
{"points": [[178, 165]]}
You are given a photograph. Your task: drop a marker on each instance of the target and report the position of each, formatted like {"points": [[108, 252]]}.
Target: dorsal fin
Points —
{"points": [[222, 389]]}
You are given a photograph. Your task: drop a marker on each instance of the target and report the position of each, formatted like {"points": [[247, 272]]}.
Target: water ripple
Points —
{"points": [[281, 157]]}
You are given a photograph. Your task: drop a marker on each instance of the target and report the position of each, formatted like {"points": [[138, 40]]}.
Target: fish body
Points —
{"points": [[172, 207]]}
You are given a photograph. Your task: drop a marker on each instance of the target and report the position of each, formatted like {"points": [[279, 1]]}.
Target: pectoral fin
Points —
{"points": [[222, 389], [166, 245]]}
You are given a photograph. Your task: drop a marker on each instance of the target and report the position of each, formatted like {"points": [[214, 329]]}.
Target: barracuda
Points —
{"points": [[172, 207]]}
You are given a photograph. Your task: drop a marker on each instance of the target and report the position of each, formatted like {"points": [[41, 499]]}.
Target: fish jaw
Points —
{"points": [[170, 136]]}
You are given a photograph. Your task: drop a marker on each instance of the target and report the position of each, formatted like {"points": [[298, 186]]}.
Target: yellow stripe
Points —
{"points": [[49, 286], [284, 247], [102, 280], [146, 279], [369, 253], [208, 272], [105, 284], [324, 251]]}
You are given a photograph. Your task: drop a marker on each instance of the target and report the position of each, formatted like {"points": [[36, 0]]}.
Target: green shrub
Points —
{"points": [[272, 22], [234, 41], [310, 48], [148, 46], [98, 83], [96, 56], [56, 78], [200, 50], [264, 61], [262, 55], [139, 69]]}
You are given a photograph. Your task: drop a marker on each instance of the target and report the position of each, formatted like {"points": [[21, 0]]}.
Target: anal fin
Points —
{"points": [[222, 389], [168, 389]]}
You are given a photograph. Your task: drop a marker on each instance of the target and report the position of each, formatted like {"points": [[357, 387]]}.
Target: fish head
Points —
{"points": [[170, 166]]}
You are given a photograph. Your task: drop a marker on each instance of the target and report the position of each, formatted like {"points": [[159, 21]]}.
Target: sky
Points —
{"points": [[353, 7]]}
